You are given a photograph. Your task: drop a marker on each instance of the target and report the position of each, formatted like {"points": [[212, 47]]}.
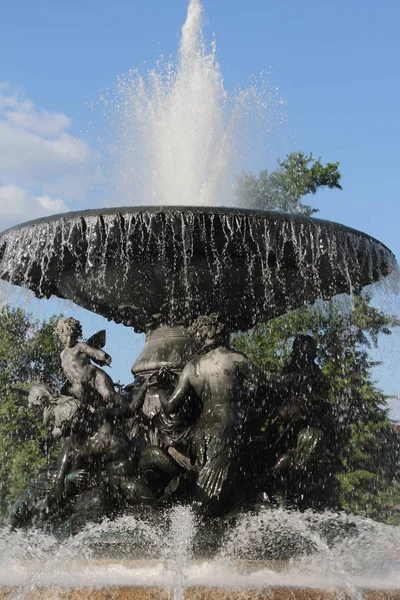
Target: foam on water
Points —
{"points": [[330, 551]]}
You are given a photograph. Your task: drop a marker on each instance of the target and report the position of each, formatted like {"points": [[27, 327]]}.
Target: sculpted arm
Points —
{"points": [[173, 402], [139, 397], [99, 356]]}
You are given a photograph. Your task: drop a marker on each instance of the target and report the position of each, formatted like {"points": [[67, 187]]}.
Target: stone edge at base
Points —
{"points": [[191, 593]]}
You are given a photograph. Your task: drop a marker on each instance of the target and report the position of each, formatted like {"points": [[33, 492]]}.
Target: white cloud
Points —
{"points": [[17, 205], [41, 163], [22, 113], [35, 159], [43, 123]]}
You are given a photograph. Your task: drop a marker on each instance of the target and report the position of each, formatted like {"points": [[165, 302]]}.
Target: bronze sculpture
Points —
{"points": [[85, 380], [218, 379], [201, 444], [199, 424], [305, 471]]}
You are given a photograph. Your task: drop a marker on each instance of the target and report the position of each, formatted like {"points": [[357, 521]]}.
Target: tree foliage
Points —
{"points": [[283, 189], [28, 353], [345, 330]]}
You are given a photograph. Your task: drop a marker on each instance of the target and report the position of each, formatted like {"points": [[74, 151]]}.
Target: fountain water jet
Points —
{"points": [[178, 136]]}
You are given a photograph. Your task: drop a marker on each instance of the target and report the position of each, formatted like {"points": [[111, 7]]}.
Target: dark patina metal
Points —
{"points": [[200, 424]]}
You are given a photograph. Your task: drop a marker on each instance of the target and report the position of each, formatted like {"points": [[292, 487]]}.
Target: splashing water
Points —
{"points": [[328, 551], [179, 550], [179, 136]]}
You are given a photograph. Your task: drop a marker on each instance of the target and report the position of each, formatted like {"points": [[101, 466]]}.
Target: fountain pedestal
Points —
{"points": [[169, 347]]}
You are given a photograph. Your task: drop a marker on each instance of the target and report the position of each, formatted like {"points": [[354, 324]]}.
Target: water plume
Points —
{"points": [[178, 136]]}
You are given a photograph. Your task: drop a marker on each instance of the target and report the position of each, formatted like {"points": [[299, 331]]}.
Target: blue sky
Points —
{"points": [[335, 64]]}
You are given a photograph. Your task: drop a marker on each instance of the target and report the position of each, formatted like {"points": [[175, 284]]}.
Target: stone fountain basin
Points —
{"points": [[243, 580], [193, 593], [129, 264]]}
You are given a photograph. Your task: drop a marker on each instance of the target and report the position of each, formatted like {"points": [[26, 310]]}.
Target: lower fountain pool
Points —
{"points": [[263, 554]]}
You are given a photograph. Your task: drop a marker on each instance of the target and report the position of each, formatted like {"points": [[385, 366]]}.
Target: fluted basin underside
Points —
{"points": [[129, 264]]}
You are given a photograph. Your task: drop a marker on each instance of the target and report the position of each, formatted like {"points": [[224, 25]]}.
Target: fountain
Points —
{"points": [[189, 441]]}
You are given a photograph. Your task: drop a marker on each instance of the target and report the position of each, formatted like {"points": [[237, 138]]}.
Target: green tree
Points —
{"points": [[344, 331], [28, 353], [283, 189]]}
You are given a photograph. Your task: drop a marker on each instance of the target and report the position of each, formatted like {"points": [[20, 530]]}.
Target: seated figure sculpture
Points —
{"points": [[305, 469], [100, 442], [85, 379], [166, 462], [61, 415], [223, 381]]}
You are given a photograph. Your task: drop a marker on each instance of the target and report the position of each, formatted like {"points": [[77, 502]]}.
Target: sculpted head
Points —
{"points": [[68, 330], [40, 395], [207, 328]]}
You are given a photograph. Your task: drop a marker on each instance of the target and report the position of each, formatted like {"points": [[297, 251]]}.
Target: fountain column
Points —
{"points": [[165, 346]]}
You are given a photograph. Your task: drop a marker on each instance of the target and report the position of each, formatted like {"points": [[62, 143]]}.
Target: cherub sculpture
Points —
{"points": [[93, 388], [86, 381]]}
